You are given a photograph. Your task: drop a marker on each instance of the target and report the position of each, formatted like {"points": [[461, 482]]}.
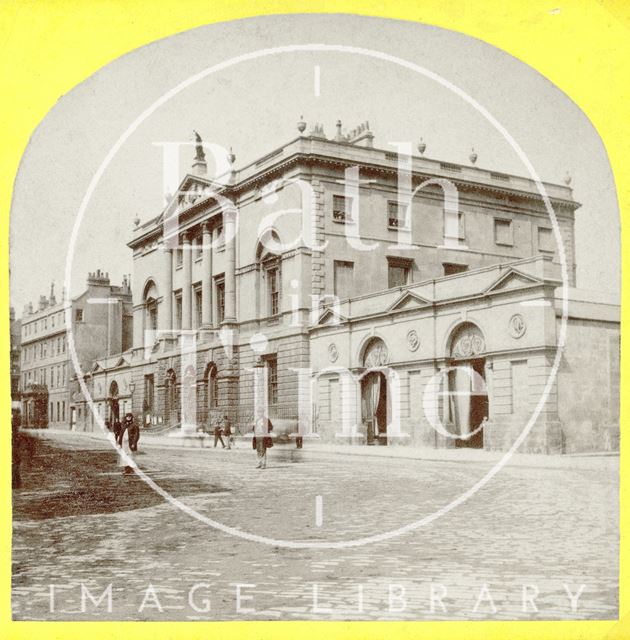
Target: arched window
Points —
{"points": [[212, 386], [171, 400], [149, 298]]}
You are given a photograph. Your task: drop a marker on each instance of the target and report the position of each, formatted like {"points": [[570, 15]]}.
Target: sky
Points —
{"points": [[254, 106]]}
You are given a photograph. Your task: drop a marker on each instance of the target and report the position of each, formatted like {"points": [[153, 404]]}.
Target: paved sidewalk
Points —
{"points": [[608, 459], [79, 523]]}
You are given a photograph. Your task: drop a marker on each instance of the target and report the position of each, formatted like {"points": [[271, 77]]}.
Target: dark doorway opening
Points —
{"points": [[478, 405], [374, 396]]}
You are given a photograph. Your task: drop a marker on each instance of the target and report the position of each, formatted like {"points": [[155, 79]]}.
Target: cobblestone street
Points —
{"points": [[527, 540]]}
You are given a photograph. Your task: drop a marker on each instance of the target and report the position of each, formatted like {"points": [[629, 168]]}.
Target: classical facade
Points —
{"points": [[422, 301], [101, 325]]}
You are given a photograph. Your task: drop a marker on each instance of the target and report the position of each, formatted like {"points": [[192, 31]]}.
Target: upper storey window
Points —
{"points": [[342, 209], [273, 287], [398, 272], [503, 232], [220, 290], [545, 240], [454, 227], [198, 243], [343, 282], [395, 215]]}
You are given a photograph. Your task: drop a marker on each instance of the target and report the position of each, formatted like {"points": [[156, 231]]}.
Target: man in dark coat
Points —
{"points": [[262, 441], [133, 430]]}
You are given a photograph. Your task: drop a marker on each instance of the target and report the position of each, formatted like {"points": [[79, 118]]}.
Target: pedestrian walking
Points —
{"points": [[218, 433], [129, 445], [117, 431], [262, 441], [133, 429], [227, 431]]}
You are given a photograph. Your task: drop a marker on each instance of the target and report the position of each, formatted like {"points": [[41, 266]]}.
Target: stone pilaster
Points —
{"points": [[187, 284], [206, 278], [229, 227], [318, 271], [166, 317]]}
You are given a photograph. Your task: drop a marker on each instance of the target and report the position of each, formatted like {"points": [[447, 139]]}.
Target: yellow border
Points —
{"points": [[48, 47]]}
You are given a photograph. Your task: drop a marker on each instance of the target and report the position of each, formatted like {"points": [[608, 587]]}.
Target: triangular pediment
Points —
{"points": [[191, 189], [512, 279], [330, 317], [409, 300]]}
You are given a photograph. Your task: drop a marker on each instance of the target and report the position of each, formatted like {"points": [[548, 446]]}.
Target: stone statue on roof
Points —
{"points": [[199, 152]]}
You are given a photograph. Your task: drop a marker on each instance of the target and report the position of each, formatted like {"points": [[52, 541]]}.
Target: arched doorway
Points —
{"points": [[374, 400], [468, 397]]}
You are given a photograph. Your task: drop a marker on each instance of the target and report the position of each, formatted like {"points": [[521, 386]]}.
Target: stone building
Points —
{"points": [[101, 319], [442, 332], [15, 346]]}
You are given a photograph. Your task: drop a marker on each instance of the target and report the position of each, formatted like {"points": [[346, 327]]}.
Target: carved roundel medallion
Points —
{"points": [[333, 354], [517, 326], [413, 341]]}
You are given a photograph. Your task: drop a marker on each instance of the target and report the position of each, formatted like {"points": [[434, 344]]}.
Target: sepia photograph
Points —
{"points": [[315, 317]]}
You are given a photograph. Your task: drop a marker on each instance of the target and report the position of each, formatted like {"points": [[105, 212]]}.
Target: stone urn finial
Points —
{"points": [[473, 156], [301, 125], [231, 157], [422, 145], [567, 179], [136, 221]]}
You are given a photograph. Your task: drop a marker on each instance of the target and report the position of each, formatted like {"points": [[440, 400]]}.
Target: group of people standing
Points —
{"points": [[128, 447], [261, 441]]}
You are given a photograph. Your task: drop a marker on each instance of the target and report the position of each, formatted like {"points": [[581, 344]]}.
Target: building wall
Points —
{"points": [[588, 383], [98, 329]]}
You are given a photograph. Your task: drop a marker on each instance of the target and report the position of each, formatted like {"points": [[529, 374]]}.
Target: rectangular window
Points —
{"points": [[63, 411], [198, 243], [179, 257], [273, 291], [503, 232], [545, 240], [220, 241], [344, 279], [398, 272], [271, 363], [450, 268], [178, 310], [342, 209], [395, 215], [198, 306], [220, 287], [454, 229], [78, 315]]}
